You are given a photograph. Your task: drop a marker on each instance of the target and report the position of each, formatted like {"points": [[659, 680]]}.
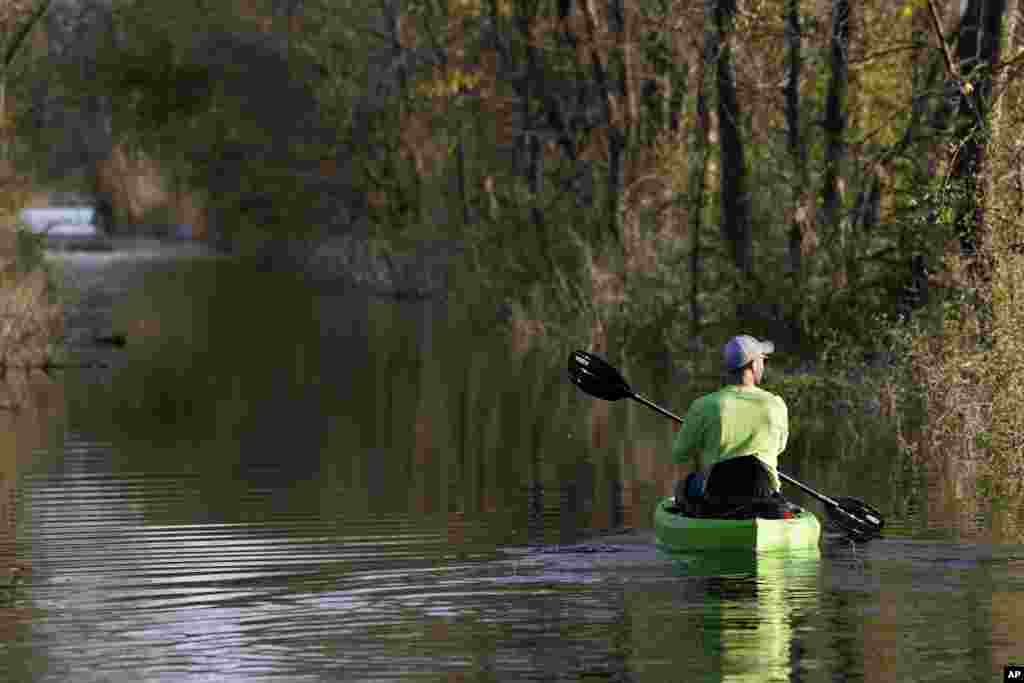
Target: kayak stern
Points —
{"points": [[674, 531]]}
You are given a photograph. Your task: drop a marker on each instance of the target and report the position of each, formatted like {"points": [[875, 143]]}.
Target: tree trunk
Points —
{"points": [[798, 151], [925, 119], [614, 120], [531, 148], [620, 139], [460, 160], [835, 123], [5, 140], [1006, 459], [535, 175], [1000, 134], [735, 198], [979, 47], [794, 45], [616, 173], [624, 41], [698, 183]]}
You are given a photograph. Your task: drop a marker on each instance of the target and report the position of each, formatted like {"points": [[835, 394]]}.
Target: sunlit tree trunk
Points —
{"points": [[1003, 193], [1002, 79]]}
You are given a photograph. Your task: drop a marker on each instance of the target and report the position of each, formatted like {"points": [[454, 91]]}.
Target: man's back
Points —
{"points": [[732, 422]]}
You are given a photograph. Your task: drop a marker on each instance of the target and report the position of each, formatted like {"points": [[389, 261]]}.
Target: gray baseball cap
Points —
{"points": [[744, 349]]}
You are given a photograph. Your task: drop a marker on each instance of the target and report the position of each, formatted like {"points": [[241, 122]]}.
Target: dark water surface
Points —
{"points": [[270, 484]]}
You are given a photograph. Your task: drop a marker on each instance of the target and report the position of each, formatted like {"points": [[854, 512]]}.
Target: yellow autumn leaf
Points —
{"points": [[908, 9], [450, 84]]}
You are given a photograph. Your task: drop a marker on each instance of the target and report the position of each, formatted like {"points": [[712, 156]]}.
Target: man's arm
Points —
{"points": [[785, 426], [689, 440]]}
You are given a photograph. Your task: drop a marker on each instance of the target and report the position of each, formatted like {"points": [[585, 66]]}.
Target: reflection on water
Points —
{"points": [[753, 606], [276, 484]]}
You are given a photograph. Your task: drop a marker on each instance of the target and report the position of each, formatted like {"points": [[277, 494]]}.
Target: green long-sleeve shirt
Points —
{"points": [[731, 422]]}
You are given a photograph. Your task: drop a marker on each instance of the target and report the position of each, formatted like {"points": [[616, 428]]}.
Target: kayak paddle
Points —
{"points": [[599, 379]]}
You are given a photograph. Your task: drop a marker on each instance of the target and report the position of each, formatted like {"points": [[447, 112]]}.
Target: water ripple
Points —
{"points": [[123, 584]]}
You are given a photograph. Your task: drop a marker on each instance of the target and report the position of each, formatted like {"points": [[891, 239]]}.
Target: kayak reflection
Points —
{"points": [[753, 603]]}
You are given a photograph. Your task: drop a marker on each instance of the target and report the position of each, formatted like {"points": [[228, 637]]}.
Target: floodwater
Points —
{"points": [[273, 484]]}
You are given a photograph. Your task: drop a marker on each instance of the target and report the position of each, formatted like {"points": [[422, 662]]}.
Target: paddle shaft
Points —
{"points": [[782, 475], [654, 406], [807, 489]]}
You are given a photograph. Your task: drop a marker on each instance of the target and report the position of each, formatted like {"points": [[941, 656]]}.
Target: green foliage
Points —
{"points": [[29, 251], [158, 91], [224, 113]]}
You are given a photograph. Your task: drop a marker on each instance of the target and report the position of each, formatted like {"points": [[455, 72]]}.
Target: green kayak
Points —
{"points": [[677, 532]]}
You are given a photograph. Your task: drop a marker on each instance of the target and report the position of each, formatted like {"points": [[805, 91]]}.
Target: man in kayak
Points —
{"points": [[733, 436]]}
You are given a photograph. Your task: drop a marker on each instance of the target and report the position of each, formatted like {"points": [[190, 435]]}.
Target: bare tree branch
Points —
{"points": [[940, 33]]}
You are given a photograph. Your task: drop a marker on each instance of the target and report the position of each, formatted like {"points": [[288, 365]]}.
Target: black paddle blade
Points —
{"points": [[596, 377], [860, 521]]}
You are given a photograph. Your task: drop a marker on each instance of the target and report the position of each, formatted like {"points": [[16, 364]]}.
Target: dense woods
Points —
{"points": [[664, 169], [643, 176]]}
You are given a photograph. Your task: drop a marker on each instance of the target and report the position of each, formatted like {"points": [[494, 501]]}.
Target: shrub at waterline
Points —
{"points": [[31, 319]]}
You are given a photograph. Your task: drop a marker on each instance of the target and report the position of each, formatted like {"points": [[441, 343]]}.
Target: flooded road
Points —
{"points": [[272, 483]]}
